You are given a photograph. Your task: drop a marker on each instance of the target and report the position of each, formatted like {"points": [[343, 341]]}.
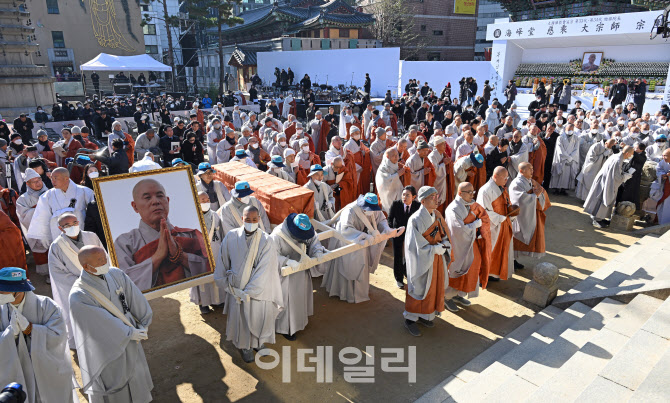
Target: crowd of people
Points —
{"points": [[461, 192]]}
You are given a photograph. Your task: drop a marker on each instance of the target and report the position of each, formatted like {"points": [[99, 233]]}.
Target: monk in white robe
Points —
{"points": [[247, 270], [362, 222], [64, 267], [444, 172], [110, 317], [208, 294], [33, 341], [324, 201], [601, 199], [662, 174], [565, 165], [25, 209], [156, 252], [225, 148], [389, 179], [470, 237], [336, 150], [518, 152], [594, 160], [295, 240], [65, 196], [655, 151], [218, 192], [231, 212], [214, 137], [496, 201], [426, 248], [528, 226], [420, 167], [377, 149]]}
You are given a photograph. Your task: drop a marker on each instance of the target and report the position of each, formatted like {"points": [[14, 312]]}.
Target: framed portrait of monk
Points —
{"points": [[591, 61], [154, 227]]}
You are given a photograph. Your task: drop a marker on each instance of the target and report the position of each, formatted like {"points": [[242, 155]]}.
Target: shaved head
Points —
{"points": [[500, 176], [91, 256], [60, 178], [151, 202], [466, 191], [526, 169], [66, 216]]}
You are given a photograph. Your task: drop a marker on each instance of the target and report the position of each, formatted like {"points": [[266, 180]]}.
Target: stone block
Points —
{"points": [[538, 294], [623, 223]]}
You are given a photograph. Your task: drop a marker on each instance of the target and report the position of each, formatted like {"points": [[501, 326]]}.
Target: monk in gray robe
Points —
{"points": [[33, 341], [231, 212], [110, 317], [565, 165], [209, 294], [595, 158], [361, 222], [64, 267], [156, 252], [324, 201], [25, 208], [601, 199], [295, 239], [389, 179], [247, 270], [218, 192]]}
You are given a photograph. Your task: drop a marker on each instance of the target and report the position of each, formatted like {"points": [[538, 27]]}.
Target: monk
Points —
{"points": [[528, 227], [440, 157], [341, 179], [11, 244], [494, 198], [426, 244], [470, 237], [361, 155]]}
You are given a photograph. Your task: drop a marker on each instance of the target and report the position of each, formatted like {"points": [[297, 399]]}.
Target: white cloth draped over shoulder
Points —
{"points": [[231, 214], [25, 209], [210, 294], [594, 160], [526, 222], [389, 184], [601, 198]]}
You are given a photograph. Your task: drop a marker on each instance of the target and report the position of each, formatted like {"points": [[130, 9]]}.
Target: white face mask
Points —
{"points": [[633, 115], [610, 129], [93, 174], [569, 132], [559, 121], [6, 298], [299, 132], [72, 231], [645, 131], [282, 143], [305, 149], [250, 226], [254, 146], [102, 270], [18, 141], [269, 115], [277, 170], [356, 136], [245, 199], [594, 131], [316, 182], [205, 207], [217, 126], [294, 164]]}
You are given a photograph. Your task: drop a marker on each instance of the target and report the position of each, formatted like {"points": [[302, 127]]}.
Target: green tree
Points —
{"points": [[170, 22], [215, 13]]}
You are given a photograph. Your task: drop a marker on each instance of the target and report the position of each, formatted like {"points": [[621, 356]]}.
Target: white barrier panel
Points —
{"points": [[337, 66], [438, 74]]}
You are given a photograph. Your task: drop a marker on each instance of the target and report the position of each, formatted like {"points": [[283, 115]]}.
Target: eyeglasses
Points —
{"points": [[74, 224], [470, 191]]}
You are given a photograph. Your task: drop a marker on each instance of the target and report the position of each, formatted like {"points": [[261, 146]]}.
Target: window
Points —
{"points": [[57, 37], [437, 33], [149, 29], [423, 28], [52, 7], [144, 7], [433, 56], [344, 33], [151, 49]]}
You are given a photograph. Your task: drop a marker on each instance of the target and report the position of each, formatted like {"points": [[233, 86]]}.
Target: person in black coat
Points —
{"points": [[93, 223], [367, 86], [549, 136], [24, 126], [117, 162], [497, 157], [191, 149], [399, 214], [640, 95], [630, 190]]}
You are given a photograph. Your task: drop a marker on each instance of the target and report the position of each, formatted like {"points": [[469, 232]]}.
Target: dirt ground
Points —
{"points": [[190, 360]]}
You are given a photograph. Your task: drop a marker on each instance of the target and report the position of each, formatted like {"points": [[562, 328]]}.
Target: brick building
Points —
{"points": [[447, 34]]}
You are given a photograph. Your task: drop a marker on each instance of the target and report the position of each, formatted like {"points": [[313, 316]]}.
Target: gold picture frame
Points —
{"points": [[587, 65], [98, 188]]}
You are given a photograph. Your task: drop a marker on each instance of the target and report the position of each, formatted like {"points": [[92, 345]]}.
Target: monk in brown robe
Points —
{"points": [[533, 202], [11, 244]]}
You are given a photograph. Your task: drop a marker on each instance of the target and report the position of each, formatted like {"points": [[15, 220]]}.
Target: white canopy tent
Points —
{"points": [[105, 62]]}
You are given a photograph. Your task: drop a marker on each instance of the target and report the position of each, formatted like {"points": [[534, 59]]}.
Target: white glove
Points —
{"points": [[292, 263], [15, 323], [476, 223], [20, 319], [440, 249], [139, 334], [362, 239]]}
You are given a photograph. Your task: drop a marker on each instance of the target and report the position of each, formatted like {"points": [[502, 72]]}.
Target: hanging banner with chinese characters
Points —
{"points": [[631, 23]]}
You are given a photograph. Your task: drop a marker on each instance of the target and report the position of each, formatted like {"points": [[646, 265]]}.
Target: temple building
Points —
{"points": [[292, 25]]}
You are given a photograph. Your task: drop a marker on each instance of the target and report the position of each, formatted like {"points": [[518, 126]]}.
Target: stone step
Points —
{"points": [[480, 388], [631, 365], [665, 275], [478, 364], [655, 387], [575, 375], [654, 266], [549, 360]]}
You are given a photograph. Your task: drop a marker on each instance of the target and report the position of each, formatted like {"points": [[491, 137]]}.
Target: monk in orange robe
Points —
{"points": [[470, 237], [346, 173], [11, 244], [529, 225]]}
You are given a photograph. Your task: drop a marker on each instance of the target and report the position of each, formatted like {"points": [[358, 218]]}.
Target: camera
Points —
{"points": [[13, 393], [336, 190]]}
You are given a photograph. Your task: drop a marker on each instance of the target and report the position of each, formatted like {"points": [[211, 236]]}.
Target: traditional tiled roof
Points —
{"points": [[303, 13]]}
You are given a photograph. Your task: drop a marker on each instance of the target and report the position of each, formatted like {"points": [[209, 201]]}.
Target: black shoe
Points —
{"points": [[451, 305], [426, 323], [400, 285], [291, 337], [247, 355], [461, 301], [518, 266], [493, 279], [205, 309], [412, 328], [564, 192], [555, 191], [596, 224]]}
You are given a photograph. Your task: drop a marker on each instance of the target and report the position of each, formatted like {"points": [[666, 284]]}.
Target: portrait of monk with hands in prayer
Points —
{"points": [[156, 252]]}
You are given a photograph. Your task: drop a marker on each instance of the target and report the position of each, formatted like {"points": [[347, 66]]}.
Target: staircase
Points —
{"points": [[613, 349]]}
